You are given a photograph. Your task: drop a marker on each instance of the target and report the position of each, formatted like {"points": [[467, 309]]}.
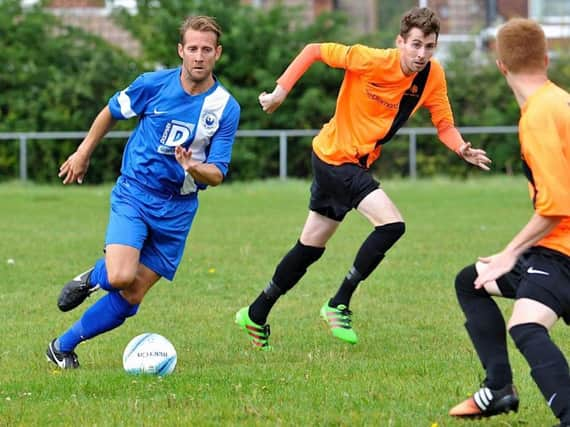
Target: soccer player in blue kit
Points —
{"points": [[181, 144]]}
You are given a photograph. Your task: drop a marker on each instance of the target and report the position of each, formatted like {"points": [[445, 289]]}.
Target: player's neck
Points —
{"points": [[196, 87], [524, 85]]}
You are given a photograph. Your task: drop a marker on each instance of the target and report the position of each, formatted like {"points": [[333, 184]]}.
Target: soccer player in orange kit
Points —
{"points": [[534, 268], [381, 89]]}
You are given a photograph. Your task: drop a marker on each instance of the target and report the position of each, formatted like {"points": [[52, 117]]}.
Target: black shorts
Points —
{"points": [[543, 275], [338, 189]]}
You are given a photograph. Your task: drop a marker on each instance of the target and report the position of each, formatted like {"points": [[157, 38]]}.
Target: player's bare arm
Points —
{"points": [[205, 173], [76, 165]]}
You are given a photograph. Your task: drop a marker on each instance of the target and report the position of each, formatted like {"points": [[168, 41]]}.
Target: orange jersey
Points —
{"points": [[368, 101], [544, 133]]}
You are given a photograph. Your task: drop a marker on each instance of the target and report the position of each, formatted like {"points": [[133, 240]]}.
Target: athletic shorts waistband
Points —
{"points": [[123, 180]]}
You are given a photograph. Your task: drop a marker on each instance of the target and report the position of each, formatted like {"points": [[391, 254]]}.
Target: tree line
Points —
{"points": [[55, 77]]}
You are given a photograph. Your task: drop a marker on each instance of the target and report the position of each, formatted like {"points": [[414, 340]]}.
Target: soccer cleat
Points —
{"points": [[76, 291], [258, 335], [339, 320], [486, 403], [63, 359]]}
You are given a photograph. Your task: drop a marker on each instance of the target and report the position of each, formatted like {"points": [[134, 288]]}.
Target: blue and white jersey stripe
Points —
{"points": [[168, 117]]}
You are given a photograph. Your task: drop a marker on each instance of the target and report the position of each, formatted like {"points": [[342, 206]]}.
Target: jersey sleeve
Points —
{"points": [[542, 151], [356, 58], [221, 146], [437, 101], [298, 67], [130, 102]]}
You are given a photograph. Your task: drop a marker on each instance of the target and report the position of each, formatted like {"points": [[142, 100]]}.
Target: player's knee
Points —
{"points": [[121, 279], [465, 282]]}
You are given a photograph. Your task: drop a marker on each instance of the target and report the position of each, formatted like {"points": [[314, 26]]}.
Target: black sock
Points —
{"points": [[367, 259], [347, 288], [486, 328], [288, 272], [262, 305], [549, 368]]}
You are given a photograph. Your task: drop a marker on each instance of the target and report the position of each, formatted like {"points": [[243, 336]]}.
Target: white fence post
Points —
{"points": [[412, 151], [283, 156], [23, 158]]}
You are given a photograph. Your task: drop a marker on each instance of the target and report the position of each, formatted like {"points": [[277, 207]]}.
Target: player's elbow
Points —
{"points": [[313, 51], [216, 178]]}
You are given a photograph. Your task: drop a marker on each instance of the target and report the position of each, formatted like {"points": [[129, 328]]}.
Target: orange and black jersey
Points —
{"points": [[544, 133], [369, 100]]}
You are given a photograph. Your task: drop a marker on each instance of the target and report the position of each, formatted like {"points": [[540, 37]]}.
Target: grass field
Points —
{"points": [[413, 361]]}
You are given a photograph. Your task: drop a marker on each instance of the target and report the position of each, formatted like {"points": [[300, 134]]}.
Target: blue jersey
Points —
{"points": [[168, 117]]}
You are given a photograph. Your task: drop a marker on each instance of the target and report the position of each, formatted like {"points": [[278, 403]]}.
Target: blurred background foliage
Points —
{"points": [[55, 77]]}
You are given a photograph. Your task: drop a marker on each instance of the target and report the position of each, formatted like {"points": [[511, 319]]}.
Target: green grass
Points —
{"points": [[413, 361]]}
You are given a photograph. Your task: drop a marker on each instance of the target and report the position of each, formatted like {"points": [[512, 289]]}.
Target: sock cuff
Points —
{"points": [[309, 251], [522, 332], [398, 227]]}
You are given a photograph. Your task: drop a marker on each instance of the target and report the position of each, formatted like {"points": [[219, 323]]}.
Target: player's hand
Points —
{"points": [[74, 168], [496, 266], [271, 101], [475, 156], [184, 157]]}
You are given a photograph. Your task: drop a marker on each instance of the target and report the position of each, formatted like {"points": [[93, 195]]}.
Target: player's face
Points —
{"points": [[416, 50], [199, 54]]}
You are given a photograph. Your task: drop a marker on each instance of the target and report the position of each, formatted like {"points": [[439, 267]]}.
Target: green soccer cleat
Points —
{"points": [[258, 335], [339, 319]]}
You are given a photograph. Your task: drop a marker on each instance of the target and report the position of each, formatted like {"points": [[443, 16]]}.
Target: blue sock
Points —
{"points": [[99, 276], [107, 313]]}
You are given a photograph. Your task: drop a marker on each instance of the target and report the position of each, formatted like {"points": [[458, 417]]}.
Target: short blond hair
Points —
{"points": [[201, 23], [521, 46]]}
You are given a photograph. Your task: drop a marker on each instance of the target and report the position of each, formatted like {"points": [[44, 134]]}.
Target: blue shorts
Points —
{"points": [[155, 224]]}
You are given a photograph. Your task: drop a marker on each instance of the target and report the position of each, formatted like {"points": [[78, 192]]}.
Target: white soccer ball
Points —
{"points": [[149, 353]]}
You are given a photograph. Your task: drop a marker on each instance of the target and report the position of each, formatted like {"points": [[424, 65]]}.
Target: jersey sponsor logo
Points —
{"points": [[175, 133], [374, 97], [532, 270]]}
